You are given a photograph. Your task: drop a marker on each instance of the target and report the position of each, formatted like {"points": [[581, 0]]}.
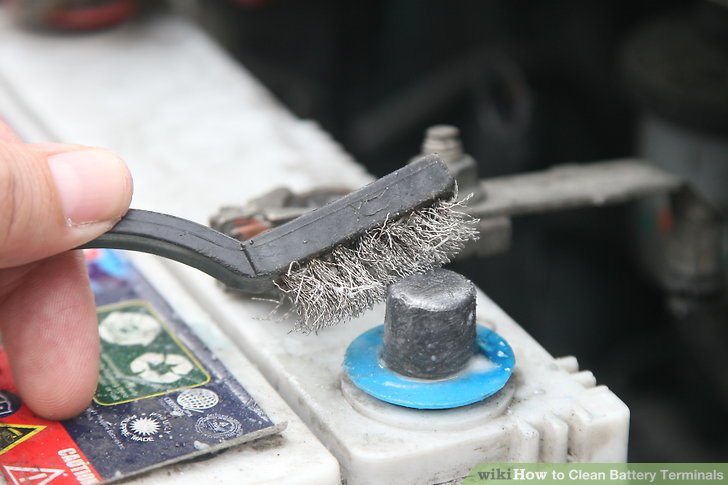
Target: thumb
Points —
{"points": [[53, 202]]}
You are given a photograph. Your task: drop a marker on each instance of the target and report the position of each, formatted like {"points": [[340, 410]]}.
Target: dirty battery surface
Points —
{"points": [[162, 396]]}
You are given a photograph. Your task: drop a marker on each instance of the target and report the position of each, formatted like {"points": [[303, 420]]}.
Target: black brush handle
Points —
{"points": [[193, 244], [253, 265], [395, 195]]}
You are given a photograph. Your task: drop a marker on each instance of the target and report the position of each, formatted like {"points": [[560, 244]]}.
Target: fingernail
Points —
{"points": [[93, 185]]}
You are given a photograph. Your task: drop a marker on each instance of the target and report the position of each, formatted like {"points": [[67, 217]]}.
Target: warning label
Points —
{"points": [[76, 464], [14, 434], [30, 445], [32, 475]]}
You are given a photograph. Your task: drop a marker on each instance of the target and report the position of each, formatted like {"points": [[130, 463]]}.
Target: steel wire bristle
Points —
{"points": [[352, 278]]}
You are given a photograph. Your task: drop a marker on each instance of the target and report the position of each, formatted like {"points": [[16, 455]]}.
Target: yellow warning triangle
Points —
{"points": [[13, 434]]}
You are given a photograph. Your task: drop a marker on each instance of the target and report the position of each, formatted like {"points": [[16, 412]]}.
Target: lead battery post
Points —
{"points": [[429, 353]]}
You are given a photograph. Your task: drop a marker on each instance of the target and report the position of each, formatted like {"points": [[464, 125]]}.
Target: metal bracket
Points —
{"points": [[572, 186], [559, 188]]}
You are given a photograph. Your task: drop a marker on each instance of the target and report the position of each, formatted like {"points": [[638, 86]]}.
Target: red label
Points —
{"points": [[35, 451]]}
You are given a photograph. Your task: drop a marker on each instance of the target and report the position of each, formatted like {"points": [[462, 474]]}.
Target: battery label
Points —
{"points": [[140, 357], [162, 397]]}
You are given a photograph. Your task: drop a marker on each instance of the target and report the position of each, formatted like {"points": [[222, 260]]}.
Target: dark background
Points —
{"points": [[530, 84]]}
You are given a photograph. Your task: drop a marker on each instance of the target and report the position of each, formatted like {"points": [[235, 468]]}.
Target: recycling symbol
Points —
{"points": [[161, 368], [129, 328]]}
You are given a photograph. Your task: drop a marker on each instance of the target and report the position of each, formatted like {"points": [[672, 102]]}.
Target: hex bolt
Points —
{"points": [[429, 326], [444, 140]]}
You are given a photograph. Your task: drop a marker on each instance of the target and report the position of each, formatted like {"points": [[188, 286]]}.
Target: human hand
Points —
{"points": [[53, 198]]}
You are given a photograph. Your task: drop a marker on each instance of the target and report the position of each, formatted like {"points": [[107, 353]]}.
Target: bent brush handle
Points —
{"points": [[252, 265], [210, 251]]}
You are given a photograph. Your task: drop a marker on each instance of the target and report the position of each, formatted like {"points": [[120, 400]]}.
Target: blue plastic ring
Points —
{"points": [[486, 373]]}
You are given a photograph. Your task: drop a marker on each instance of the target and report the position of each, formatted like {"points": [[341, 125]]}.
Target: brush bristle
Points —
{"points": [[352, 278]]}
